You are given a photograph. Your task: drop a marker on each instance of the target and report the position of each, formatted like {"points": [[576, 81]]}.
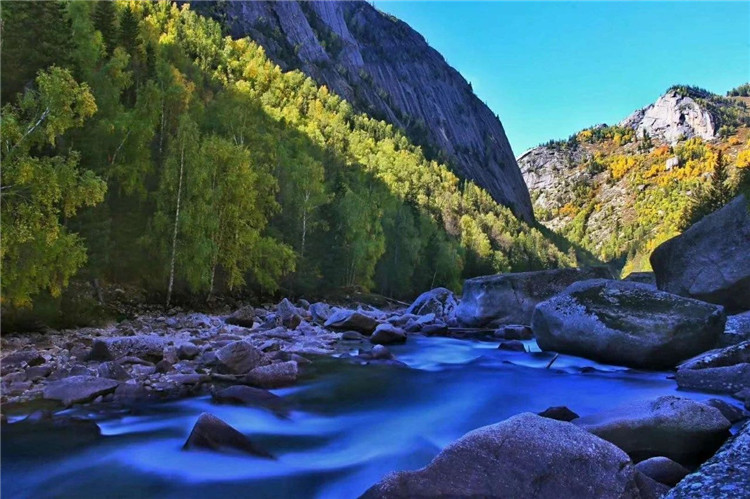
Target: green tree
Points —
{"points": [[42, 185], [105, 15]]}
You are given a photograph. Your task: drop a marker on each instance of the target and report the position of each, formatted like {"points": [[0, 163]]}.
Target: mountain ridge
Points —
{"points": [[394, 76]]}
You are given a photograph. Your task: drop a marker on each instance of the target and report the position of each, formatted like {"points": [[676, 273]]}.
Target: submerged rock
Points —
{"points": [[626, 323], [559, 413], [710, 261], [726, 474], [387, 334], [524, 456], [247, 395], [77, 389], [678, 428], [511, 298], [214, 434], [352, 319]]}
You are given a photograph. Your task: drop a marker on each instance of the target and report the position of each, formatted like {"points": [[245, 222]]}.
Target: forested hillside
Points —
{"points": [[141, 146], [620, 191]]}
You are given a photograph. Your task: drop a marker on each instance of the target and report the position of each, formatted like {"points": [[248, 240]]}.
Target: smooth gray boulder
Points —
{"points": [[524, 456], [502, 299], [725, 370], [626, 323], [438, 301], [663, 470], [352, 319], [726, 474], [387, 334], [681, 429], [78, 389], [710, 261], [211, 433]]}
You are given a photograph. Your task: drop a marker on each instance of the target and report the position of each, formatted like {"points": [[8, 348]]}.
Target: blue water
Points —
{"points": [[348, 426]]}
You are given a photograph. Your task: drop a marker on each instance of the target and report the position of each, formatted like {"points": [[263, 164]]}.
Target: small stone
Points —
{"points": [[560, 413], [214, 434], [387, 334]]}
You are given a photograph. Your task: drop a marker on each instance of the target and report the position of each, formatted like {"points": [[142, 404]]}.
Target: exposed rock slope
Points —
{"points": [[621, 190], [386, 69]]}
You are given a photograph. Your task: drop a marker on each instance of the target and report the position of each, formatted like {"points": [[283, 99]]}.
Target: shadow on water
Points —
{"points": [[348, 426]]}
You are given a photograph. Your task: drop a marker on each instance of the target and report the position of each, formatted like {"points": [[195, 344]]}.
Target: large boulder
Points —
{"points": [[211, 433], [711, 260], [438, 301], [726, 474], [78, 389], [725, 370], [244, 317], [737, 330], [524, 456], [663, 470], [626, 323], [238, 357], [287, 315], [510, 298], [274, 375], [678, 428], [353, 320]]}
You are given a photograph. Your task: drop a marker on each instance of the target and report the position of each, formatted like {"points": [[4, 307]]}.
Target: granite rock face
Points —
{"points": [[387, 70]]}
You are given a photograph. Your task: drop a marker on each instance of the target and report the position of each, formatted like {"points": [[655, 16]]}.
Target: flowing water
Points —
{"points": [[348, 426]]}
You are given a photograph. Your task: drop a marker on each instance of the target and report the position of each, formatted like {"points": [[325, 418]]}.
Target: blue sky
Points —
{"points": [[549, 69]]}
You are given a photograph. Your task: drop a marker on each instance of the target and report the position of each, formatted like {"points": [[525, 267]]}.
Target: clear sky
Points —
{"points": [[549, 69]]}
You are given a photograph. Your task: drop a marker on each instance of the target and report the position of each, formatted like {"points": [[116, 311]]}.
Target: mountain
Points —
{"points": [[387, 70], [620, 190]]}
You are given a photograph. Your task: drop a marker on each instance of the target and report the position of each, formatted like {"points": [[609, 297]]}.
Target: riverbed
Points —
{"points": [[344, 427]]}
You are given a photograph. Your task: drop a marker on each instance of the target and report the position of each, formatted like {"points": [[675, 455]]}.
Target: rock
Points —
{"points": [[381, 352], [20, 359], [112, 370], [511, 298], [320, 313], [726, 474], [710, 261], [38, 372], [438, 301], [512, 346], [238, 357], [678, 428], [744, 396], [187, 350], [724, 370], [130, 394], [243, 317], [674, 116], [146, 347], [351, 319], [352, 336], [626, 323], [524, 456], [663, 470], [732, 413], [559, 413], [274, 375], [78, 389], [642, 277], [170, 354], [515, 332], [648, 487], [214, 434], [737, 330], [163, 366], [287, 314], [247, 395], [436, 329], [387, 334]]}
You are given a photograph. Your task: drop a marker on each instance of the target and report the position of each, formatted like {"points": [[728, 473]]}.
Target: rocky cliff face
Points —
{"points": [[673, 116], [386, 69]]}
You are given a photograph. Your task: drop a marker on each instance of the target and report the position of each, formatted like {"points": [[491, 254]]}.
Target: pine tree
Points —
{"points": [[128, 31], [104, 20]]}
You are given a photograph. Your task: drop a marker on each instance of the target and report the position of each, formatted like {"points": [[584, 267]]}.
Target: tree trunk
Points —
{"points": [[176, 223]]}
